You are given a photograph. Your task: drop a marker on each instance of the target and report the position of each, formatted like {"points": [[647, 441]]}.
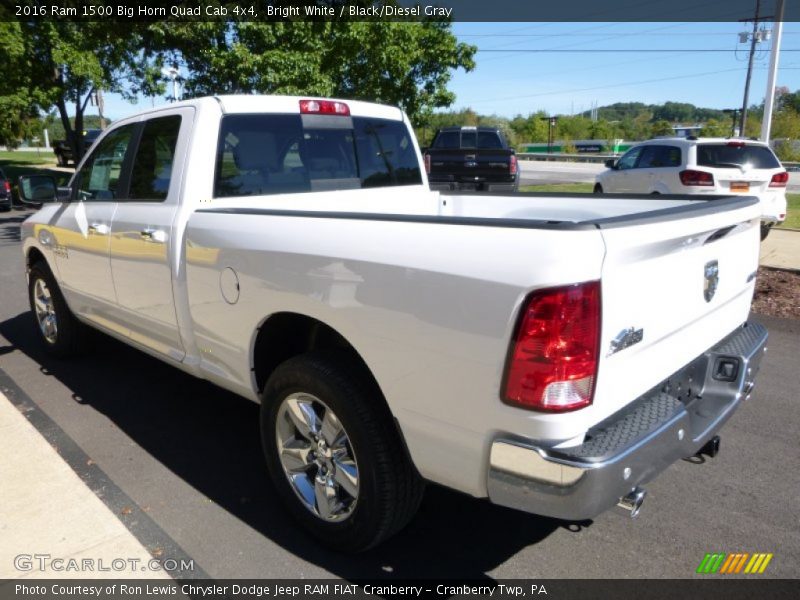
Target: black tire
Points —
{"points": [[389, 487], [765, 229], [61, 161], [71, 337], [598, 189]]}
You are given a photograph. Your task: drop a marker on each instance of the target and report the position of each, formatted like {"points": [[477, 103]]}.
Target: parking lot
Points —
{"points": [[187, 455]]}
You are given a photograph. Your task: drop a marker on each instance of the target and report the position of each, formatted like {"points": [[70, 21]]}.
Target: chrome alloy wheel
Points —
{"points": [[45, 311], [317, 457]]}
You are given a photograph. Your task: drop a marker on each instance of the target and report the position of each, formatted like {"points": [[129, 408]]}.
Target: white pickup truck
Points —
{"points": [[552, 353]]}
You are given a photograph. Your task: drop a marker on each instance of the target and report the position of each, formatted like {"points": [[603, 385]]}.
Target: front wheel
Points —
{"points": [[598, 189], [62, 334], [334, 455]]}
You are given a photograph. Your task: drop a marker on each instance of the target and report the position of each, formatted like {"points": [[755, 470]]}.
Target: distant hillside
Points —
{"points": [[674, 112]]}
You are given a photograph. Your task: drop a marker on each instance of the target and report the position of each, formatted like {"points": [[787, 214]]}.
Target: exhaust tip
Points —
{"points": [[632, 503]]}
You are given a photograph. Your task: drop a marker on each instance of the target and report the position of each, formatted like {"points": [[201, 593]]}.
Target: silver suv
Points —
{"points": [[701, 166]]}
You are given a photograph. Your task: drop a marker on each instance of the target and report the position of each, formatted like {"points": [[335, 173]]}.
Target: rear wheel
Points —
{"points": [[765, 229], [62, 162], [62, 334], [334, 454], [598, 189]]}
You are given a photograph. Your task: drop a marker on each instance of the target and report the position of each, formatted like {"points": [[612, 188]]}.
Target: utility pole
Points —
{"points": [[769, 99], [756, 37]]}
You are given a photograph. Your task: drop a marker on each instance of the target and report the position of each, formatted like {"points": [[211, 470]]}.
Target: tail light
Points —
{"points": [[428, 164], [779, 180], [553, 362], [7, 187], [512, 165], [700, 178], [736, 144], [324, 107]]}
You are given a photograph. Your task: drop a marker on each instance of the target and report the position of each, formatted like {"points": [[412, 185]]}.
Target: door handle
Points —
{"points": [[157, 236], [99, 229]]}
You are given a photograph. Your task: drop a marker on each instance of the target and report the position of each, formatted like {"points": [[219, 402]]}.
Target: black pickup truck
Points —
{"points": [[63, 149], [471, 158]]}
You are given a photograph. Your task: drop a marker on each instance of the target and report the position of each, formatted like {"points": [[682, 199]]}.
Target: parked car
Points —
{"points": [[702, 166], [63, 149], [5, 192], [552, 354], [471, 158]]}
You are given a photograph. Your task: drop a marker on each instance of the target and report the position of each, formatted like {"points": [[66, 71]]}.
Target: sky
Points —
{"points": [[578, 70]]}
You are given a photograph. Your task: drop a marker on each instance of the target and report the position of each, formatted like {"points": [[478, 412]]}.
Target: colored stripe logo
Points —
{"points": [[737, 562]]}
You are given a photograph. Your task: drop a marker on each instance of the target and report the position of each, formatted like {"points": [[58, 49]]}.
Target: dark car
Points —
{"points": [[5, 192], [63, 149], [471, 158]]}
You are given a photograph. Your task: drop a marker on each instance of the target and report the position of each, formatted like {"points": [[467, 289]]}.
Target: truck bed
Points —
{"points": [[432, 308]]}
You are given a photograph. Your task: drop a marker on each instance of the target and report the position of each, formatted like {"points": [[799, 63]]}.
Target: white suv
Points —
{"points": [[701, 166]]}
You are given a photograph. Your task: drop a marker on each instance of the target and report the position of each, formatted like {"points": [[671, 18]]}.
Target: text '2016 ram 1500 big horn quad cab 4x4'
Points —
{"points": [[551, 354]]}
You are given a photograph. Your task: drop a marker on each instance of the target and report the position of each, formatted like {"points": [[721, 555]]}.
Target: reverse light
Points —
{"points": [[699, 178], [779, 180], [553, 361], [512, 165], [324, 107]]}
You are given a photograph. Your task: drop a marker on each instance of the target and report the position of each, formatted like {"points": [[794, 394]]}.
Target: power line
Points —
{"points": [[614, 85]]}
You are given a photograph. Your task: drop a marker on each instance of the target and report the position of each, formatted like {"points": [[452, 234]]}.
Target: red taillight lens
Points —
{"points": [[324, 107], [553, 363], [428, 163], [701, 178], [736, 144], [779, 180], [7, 187], [512, 165]]}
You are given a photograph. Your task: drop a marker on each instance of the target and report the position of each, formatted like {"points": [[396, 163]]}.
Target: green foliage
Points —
{"points": [[714, 128], [50, 63], [661, 127], [408, 64]]}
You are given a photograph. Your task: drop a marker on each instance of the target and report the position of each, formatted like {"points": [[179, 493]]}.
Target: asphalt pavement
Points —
{"points": [[183, 458]]}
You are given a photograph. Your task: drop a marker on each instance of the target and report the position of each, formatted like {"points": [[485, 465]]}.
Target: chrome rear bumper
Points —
{"points": [[672, 421]]}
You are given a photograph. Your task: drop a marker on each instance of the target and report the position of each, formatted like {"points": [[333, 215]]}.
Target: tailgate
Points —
{"points": [[671, 289], [471, 164]]}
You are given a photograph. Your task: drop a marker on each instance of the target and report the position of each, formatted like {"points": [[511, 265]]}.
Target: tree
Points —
{"points": [[64, 63], [662, 128], [19, 103], [404, 63], [714, 128]]}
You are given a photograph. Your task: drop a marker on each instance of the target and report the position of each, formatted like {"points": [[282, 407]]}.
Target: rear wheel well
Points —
{"points": [[286, 335]]}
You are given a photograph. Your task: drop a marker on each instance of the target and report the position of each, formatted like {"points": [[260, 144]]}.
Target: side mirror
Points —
{"points": [[611, 163], [37, 189]]}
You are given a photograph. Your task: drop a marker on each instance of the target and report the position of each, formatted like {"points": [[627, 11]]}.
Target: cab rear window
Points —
{"points": [[276, 154], [735, 155]]}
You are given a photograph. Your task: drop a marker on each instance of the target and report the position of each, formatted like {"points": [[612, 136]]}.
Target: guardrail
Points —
{"points": [[590, 158], [601, 158]]}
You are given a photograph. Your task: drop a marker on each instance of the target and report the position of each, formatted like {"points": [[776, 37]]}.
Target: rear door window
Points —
{"points": [[654, 157], [155, 154], [735, 155], [276, 154]]}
